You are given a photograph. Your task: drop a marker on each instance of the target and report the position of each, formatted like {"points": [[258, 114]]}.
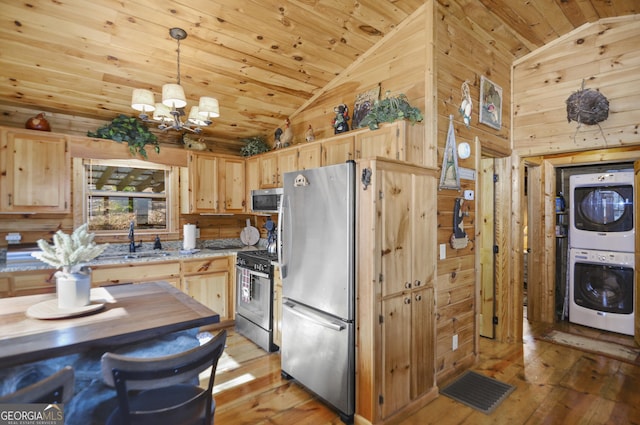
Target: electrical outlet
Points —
{"points": [[443, 251], [197, 233], [454, 342]]}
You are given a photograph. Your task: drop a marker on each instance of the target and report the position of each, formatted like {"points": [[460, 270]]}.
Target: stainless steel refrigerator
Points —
{"points": [[318, 283]]}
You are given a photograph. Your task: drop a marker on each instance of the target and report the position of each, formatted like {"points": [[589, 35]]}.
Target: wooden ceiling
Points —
{"points": [[262, 59]]}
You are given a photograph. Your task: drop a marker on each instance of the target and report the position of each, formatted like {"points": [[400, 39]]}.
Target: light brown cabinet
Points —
{"points": [[112, 274], [400, 140], [212, 184], [309, 156], [252, 179], [396, 269], [274, 164], [209, 281], [35, 170], [338, 149]]}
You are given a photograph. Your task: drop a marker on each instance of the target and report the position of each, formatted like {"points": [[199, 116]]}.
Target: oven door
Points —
{"points": [[253, 296], [603, 287]]}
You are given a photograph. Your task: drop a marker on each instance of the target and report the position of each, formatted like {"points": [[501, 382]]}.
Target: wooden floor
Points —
{"points": [[554, 385]]}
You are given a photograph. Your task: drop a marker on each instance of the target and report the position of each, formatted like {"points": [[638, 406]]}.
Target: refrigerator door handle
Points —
{"points": [[313, 317]]}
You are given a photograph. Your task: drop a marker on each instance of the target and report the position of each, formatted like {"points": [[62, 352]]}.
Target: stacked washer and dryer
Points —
{"points": [[601, 251]]}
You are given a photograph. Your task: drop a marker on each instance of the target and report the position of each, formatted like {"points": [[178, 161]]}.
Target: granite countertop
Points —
{"points": [[119, 254]]}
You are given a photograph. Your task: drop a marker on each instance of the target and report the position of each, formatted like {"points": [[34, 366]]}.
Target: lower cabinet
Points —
{"points": [[104, 275], [210, 282], [395, 340]]}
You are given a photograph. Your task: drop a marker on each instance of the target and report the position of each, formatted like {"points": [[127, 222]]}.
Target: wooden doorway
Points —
{"points": [[487, 244]]}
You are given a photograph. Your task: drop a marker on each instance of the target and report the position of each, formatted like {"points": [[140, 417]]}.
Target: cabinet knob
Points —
{"points": [[418, 297], [417, 283], [407, 285], [407, 300]]}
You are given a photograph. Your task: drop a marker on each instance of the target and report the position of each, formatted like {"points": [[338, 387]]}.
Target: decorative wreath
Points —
{"points": [[587, 106]]}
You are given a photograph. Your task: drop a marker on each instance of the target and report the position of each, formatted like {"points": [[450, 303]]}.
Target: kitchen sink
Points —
{"points": [[134, 255]]}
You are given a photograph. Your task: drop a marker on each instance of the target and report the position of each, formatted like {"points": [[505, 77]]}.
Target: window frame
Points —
{"points": [[172, 190]]}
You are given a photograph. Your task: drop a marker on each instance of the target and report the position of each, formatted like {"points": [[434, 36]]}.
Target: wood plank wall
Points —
{"points": [[397, 63], [606, 57], [463, 54]]}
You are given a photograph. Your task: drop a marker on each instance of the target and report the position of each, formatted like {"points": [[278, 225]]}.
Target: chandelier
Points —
{"points": [[168, 114]]}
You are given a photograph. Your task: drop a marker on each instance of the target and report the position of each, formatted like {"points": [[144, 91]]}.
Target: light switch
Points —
{"points": [[443, 251]]}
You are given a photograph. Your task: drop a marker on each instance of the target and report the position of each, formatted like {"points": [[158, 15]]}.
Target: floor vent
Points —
{"points": [[478, 391]]}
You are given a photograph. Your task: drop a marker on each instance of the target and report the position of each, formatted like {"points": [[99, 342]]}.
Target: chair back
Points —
{"points": [[127, 373], [57, 388]]}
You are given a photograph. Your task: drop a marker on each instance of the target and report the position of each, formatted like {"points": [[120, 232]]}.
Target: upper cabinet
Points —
{"points": [[399, 140], [338, 149], [212, 184], [35, 171]]}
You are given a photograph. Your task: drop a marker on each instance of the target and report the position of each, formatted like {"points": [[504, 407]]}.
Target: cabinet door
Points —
{"points": [[269, 170], [210, 290], [287, 161], [231, 184], [35, 173], [309, 156], [337, 150], [252, 179], [383, 142], [422, 341], [203, 183], [396, 346], [396, 231]]}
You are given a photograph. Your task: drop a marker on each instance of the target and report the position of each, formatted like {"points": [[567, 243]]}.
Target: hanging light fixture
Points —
{"points": [[168, 113]]}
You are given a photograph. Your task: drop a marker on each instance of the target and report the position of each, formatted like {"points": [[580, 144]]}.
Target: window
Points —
{"points": [[117, 192]]}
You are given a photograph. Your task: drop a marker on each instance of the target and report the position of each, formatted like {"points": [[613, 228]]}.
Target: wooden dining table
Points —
{"points": [[130, 313]]}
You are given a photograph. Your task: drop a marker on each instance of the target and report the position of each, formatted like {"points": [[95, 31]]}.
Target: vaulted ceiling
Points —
{"points": [[262, 59]]}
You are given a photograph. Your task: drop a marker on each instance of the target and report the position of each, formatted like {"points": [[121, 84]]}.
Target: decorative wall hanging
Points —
{"points": [[587, 106], [466, 105], [459, 238], [362, 106], [490, 103], [449, 176]]}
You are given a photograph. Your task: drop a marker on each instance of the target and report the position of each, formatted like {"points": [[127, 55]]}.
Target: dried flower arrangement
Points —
{"points": [[70, 252]]}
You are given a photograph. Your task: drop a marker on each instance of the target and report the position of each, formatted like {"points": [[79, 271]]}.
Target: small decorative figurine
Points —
{"points": [[277, 144], [287, 134], [38, 122], [309, 136], [340, 124]]}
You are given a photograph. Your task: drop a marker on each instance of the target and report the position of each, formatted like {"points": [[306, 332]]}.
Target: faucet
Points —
{"points": [[132, 239]]}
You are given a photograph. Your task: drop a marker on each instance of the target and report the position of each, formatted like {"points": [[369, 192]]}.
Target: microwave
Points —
{"points": [[266, 200]]}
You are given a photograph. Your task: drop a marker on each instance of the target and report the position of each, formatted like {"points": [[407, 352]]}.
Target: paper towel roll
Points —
{"points": [[189, 236]]}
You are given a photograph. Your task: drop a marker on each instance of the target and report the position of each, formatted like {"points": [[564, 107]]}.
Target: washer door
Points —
{"points": [[603, 287]]}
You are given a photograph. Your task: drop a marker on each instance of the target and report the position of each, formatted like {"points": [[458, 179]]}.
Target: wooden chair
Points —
{"points": [[156, 390], [57, 388]]}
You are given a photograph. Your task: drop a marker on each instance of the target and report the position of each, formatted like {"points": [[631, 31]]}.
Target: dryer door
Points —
{"points": [[603, 209]]}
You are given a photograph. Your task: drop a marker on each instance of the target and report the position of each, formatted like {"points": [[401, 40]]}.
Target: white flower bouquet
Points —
{"points": [[70, 252]]}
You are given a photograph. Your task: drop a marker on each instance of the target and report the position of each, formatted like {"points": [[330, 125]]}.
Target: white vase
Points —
{"points": [[73, 290]]}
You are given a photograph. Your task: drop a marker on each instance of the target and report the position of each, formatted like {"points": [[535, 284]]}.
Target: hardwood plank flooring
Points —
{"points": [[554, 385]]}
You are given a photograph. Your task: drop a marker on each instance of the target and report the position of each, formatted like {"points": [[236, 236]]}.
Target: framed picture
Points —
{"points": [[490, 103], [362, 105]]}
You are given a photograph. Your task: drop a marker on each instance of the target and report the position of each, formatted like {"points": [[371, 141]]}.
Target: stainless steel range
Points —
{"points": [[254, 297]]}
